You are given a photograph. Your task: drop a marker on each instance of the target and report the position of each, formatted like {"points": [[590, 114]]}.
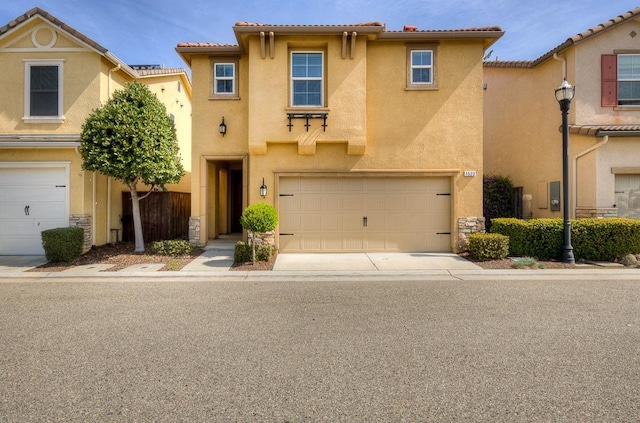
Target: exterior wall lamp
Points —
{"points": [[564, 95], [263, 189], [223, 127]]}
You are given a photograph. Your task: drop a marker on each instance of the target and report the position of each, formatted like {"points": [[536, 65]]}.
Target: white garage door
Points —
{"points": [[628, 196], [352, 214], [33, 199]]}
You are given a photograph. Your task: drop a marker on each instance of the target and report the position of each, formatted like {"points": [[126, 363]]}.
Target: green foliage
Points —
{"points": [[527, 263], [488, 246], [131, 138], [242, 252], [605, 239], [171, 247], [62, 244], [259, 218], [498, 195], [592, 239]]}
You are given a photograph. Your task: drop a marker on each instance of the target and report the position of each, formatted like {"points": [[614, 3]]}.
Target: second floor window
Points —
{"points": [[629, 79], [421, 67], [43, 91], [307, 79], [224, 78]]}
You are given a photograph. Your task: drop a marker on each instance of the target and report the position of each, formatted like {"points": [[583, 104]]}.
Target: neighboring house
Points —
{"points": [[522, 121], [363, 139], [52, 77]]}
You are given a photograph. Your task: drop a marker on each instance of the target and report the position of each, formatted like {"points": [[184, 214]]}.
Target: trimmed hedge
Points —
{"points": [[62, 244], [488, 246], [171, 247], [592, 239]]}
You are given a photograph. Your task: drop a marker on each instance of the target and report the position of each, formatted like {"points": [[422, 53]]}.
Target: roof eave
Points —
{"points": [[488, 37]]}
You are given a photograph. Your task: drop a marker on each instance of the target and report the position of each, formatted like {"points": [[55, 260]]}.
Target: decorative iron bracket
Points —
{"points": [[306, 117]]}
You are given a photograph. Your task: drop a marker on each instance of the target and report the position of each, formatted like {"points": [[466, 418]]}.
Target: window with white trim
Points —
{"points": [[629, 79], [43, 91], [307, 79], [224, 81], [421, 66], [224, 78]]}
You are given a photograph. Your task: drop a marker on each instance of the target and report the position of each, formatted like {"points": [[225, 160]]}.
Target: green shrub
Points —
{"points": [[498, 194], [62, 244], [171, 247], [488, 246], [242, 252], [592, 239], [605, 239], [514, 229], [259, 218]]}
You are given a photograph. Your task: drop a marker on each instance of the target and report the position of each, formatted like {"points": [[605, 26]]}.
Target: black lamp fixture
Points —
{"points": [[564, 95], [223, 127], [263, 189]]}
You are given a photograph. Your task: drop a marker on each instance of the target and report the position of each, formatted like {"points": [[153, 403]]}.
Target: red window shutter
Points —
{"points": [[609, 80]]}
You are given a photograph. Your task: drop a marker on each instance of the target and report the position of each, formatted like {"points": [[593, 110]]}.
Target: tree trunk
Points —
{"points": [[253, 248], [137, 222]]}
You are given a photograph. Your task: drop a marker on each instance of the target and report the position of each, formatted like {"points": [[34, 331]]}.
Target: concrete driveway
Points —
{"points": [[20, 263], [372, 261]]}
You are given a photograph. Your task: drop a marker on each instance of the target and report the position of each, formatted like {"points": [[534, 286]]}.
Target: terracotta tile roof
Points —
{"points": [[408, 28], [161, 71], [601, 130], [55, 21], [102, 50], [308, 26], [572, 40], [205, 45]]}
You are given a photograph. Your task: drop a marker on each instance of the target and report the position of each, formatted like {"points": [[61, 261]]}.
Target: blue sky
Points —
{"points": [[147, 31]]}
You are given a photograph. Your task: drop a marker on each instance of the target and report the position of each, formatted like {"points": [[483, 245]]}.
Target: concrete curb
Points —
{"points": [[396, 275]]}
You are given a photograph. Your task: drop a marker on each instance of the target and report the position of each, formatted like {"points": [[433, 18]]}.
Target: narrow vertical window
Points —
{"points": [[629, 79], [224, 78], [43, 91], [307, 79], [421, 67]]}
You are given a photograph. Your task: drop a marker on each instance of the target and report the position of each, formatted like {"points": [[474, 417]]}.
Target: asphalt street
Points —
{"points": [[290, 351]]}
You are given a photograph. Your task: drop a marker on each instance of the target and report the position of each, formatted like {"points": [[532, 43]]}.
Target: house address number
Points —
{"points": [[469, 173]]}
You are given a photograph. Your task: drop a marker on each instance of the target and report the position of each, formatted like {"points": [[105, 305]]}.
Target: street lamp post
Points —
{"points": [[564, 95]]}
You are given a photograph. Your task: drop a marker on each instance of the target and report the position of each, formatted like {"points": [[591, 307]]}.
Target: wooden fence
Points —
{"points": [[164, 215]]}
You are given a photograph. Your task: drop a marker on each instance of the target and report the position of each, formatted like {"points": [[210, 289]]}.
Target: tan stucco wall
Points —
{"points": [[374, 123], [88, 81]]}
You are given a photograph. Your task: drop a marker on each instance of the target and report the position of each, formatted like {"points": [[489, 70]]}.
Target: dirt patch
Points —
{"points": [[508, 264], [260, 265], [122, 256]]}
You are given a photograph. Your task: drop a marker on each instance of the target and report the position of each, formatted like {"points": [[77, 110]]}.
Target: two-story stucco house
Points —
{"points": [[522, 121], [363, 139], [52, 77]]}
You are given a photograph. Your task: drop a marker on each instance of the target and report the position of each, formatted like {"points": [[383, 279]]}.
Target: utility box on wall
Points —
{"points": [[164, 215], [554, 196]]}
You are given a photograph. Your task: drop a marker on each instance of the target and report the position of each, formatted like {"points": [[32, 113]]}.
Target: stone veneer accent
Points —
{"points": [[265, 238], [591, 212], [467, 226], [82, 221], [194, 231]]}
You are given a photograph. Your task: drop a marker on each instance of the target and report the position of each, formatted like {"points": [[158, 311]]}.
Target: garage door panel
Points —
{"points": [[402, 214], [33, 198]]}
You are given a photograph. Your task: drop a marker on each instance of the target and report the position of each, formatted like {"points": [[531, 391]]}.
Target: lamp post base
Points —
{"points": [[567, 255]]}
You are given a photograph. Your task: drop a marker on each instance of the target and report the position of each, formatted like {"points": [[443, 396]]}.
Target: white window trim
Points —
{"points": [[433, 85], [414, 66], [619, 79], [27, 91], [226, 78], [213, 94], [303, 106]]}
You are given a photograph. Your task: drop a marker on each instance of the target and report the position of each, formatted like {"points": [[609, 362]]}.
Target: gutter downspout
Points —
{"points": [[605, 140], [564, 65]]}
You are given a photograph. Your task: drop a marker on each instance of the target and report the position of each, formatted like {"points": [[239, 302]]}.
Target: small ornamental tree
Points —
{"points": [[257, 219], [132, 139], [498, 194]]}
